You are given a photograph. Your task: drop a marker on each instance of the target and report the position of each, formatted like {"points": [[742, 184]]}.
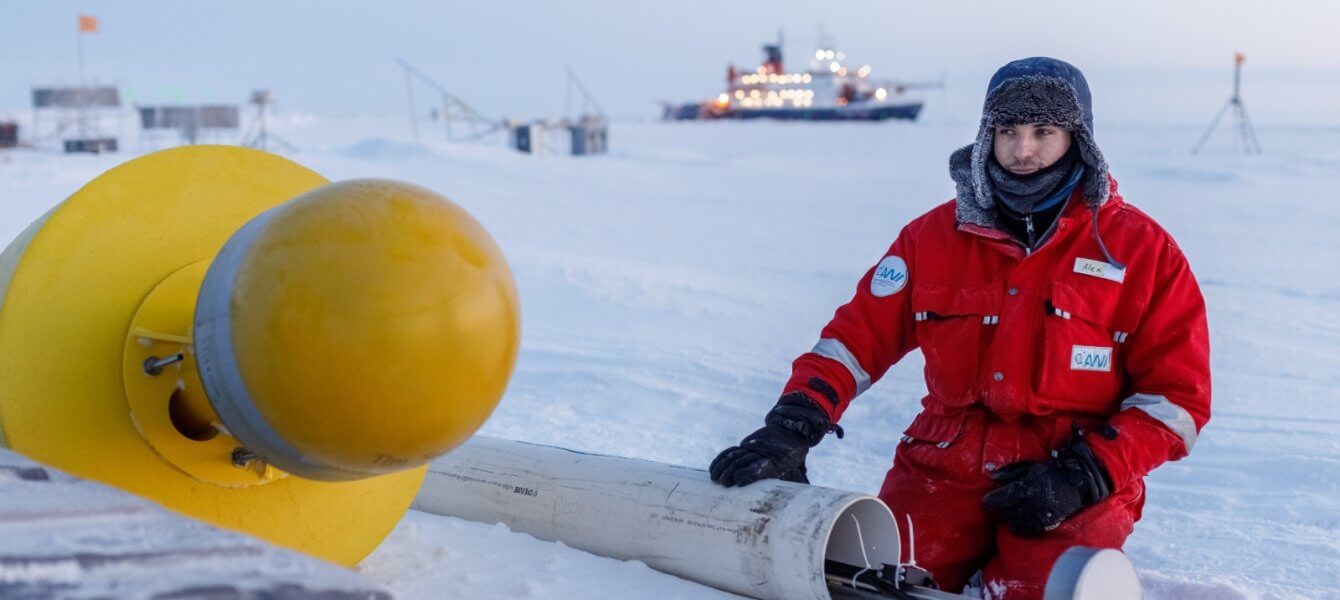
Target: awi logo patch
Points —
{"points": [[890, 277], [1090, 358]]}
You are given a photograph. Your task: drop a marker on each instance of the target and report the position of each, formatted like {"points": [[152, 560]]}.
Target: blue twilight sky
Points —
{"points": [[507, 57]]}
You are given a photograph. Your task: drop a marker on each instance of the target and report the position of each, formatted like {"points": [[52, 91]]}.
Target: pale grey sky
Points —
{"points": [[507, 56]]}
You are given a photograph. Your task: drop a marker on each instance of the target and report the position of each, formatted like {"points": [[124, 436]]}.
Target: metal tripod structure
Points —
{"points": [[453, 108], [588, 101], [258, 134], [1244, 134]]}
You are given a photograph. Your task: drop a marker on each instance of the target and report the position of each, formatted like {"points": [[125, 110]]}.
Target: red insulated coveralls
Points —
{"points": [[1019, 346]]}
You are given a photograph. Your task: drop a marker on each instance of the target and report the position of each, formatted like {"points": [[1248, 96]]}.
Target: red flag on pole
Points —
{"points": [[88, 24]]}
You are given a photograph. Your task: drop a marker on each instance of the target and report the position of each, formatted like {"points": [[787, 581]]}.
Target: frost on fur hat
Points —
{"points": [[1028, 91]]}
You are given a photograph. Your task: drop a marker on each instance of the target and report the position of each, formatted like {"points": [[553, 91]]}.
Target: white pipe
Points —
{"points": [[765, 540], [1092, 574]]}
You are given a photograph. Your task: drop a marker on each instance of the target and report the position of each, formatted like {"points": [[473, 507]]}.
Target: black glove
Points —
{"points": [[1039, 495], [777, 451]]}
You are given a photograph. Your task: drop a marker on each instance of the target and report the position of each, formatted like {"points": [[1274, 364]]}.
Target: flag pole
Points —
{"points": [[82, 118], [79, 44]]}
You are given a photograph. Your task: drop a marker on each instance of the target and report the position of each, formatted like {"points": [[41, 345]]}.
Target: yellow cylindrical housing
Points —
{"points": [[107, 280], [361, 328], [339, 332]]}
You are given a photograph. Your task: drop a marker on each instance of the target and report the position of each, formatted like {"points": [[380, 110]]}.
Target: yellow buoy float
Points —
{"points": [[226, 332]]}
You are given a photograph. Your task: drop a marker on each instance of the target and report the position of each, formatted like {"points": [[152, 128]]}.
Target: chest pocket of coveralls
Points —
{"points": [[1082, 348], [954, 326]]}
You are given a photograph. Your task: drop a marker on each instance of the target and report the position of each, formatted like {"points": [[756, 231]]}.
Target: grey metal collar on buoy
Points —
{"points": [[216, 360]]}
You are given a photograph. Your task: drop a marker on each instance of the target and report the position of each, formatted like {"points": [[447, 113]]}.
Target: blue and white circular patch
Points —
{"points": [[890, 277]]}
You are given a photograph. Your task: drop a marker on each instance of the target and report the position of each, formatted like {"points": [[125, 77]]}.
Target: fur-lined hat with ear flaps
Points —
{"points": [[1038, 90]]}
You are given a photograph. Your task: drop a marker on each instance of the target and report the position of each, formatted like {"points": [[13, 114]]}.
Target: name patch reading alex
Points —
{"points": [[1090, 358], [1098, 268], [890, 277]]}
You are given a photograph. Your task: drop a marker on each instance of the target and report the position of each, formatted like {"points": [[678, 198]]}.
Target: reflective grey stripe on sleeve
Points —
{"points": [[1174, 417], [831, 348]]}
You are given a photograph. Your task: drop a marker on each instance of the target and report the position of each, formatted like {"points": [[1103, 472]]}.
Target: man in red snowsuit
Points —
{"points": [[1066, 348]]}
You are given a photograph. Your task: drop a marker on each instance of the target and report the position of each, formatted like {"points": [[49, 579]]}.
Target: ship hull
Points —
{"points": [[697, 112]]}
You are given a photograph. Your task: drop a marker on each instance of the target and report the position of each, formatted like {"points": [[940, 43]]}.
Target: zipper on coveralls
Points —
{"points": [[1028, 222]]}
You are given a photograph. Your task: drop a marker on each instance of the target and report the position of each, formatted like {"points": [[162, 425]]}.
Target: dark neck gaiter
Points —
{"points": [[1025, 194]]}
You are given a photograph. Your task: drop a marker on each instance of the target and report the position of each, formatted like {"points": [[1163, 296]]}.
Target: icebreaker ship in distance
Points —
{"points": [[828, 90]]}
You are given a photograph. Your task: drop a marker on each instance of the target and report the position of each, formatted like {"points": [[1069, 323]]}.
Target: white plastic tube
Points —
{"points": [[766, 540], [1093, 574]]}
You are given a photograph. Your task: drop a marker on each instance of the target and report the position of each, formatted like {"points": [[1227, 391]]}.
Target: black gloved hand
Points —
{"points": [[1039, 495], [777, 451]]}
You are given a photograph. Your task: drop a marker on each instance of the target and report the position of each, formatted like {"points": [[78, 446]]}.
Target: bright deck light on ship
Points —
{"points": [[828, 55], [739, 94], [833, 67], [805, 78], [723, 99], [864, 71], [881, 93], [818, 54]]}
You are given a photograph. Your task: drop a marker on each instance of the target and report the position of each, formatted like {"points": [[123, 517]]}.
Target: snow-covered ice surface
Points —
{"points": [[667, 286], [74, 539]]}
